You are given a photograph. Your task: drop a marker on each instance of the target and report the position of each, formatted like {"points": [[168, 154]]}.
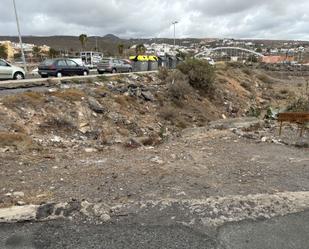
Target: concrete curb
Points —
{"points": [[214, 211], [13, 84]]}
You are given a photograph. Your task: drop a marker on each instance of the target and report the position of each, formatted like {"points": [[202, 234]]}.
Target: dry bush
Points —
{"points": [[169, 113], [178, 86], [18, 140], [248, 71], [71, 95], [265, 78], [200, 73], [300, 104], [58, 123], [32, 99], [163, 73]]}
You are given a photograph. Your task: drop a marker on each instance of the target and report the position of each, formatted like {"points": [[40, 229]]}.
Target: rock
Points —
{"points": [[156, 160], [264, 139], [147, 96], [91, 150], [237, 123], [20, 203], [56, 139], [18, 194], [133, 143], [302, 144], [95, 106]]}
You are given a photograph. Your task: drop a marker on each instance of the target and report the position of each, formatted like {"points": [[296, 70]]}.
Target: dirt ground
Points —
{"points": [[120, 142]]}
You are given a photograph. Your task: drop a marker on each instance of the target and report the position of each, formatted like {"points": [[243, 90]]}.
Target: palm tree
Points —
{"points": [[3, 52], [36, 51], [140, 49], [120, 49], [83, 40]]}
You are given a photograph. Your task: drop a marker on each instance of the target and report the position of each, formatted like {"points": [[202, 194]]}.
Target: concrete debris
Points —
{"points": [[238, 123]]}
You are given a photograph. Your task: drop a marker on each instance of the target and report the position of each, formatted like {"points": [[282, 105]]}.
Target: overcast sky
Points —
{"points": [[274, 19]]}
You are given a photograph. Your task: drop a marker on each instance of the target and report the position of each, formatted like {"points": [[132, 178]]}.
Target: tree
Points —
{"points": [[120, 49], [83, 40], [36, 51], [3, 52], [52, 53], [259, 50], [140, 49]]}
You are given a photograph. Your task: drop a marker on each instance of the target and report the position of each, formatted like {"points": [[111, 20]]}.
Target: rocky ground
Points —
{"points": [[127, 140]]}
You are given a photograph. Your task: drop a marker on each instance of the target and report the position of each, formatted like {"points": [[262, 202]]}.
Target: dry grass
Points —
{"points": [[265, 78], [18, 140], [58, 123], [71, 95], [32, 99]]}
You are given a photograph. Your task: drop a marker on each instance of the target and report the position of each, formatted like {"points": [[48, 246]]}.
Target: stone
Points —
{"points": [[18, 194], [91, 150], [237, 123], [147, 96], [157, 160], [95, 106]]}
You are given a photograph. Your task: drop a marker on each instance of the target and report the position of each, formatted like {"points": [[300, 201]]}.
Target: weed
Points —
{"points": [[71, 95], [32, 99]]}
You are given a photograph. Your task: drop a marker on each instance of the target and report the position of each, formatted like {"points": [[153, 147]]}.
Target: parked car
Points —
{"points": [[110, 65], [61, 67], [8, 71]]}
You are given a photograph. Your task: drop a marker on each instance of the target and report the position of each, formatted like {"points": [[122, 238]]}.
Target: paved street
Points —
{"points": [[289, 232]]}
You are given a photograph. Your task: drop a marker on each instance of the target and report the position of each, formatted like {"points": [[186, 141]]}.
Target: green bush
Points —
{"points": [[200, 73]]}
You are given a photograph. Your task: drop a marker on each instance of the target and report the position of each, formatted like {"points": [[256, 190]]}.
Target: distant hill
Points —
{"points": [[107, 44]]}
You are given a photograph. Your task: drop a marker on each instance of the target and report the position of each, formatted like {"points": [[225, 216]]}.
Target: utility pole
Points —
{"points": [[174, 23], [20, 40]]}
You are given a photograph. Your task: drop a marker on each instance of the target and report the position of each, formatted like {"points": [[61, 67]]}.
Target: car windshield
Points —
{"points": [[48, 62]]}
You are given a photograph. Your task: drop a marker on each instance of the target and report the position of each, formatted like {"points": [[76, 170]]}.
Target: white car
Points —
{"points": [[8, 71]]}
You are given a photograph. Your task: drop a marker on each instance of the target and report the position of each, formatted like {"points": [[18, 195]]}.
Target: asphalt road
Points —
{"points": [[288, 232]]}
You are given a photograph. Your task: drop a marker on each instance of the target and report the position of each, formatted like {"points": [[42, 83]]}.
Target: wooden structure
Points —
{"points": [[300, 118]]}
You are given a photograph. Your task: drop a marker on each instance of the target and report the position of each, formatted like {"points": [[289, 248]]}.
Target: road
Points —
{"points": [[288, 232]]}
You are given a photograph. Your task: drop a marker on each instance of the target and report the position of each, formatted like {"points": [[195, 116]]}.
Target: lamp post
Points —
{"points": [[20, 40], [174, 23]]}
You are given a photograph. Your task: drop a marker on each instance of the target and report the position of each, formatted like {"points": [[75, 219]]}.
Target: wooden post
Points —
{"points": [[280, 128]]}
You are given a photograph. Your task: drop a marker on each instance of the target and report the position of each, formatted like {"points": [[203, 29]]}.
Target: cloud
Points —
{"points": [[276, 19]]}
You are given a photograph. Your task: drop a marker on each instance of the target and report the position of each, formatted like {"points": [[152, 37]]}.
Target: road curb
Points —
{"points": [[213, 211]]}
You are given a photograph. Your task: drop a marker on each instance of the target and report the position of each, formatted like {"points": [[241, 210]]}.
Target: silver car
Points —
{"points": [[8, 71], [110, 65]]}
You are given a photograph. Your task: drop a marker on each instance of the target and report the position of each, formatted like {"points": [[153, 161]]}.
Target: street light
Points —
{"points": [[174, 23], [20, 40]]}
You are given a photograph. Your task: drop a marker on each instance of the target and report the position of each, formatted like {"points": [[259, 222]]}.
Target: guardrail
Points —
{"points": [[27, 83]]}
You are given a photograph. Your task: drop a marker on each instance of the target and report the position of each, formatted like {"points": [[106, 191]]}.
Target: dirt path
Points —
{"points": [[198, 164]]}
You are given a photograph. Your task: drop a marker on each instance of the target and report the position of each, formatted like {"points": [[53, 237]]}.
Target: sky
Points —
{"points": [[270, 19]]}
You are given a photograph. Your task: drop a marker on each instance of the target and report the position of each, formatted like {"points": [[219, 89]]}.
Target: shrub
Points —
{"points": [[163, 73], [265, 78], [200, 73], [178, 85], [72, 94], [300, 104]]}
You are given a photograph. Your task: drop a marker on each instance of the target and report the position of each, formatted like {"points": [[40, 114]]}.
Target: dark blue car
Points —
{"points": [[61, 67]]}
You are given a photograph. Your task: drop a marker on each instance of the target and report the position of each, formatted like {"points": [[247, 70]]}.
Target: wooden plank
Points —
{"points": [[294, 117]]}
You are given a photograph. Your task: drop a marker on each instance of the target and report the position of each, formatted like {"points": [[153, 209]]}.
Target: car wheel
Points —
{"points": [[114, 70], [85, 73], [130, 70], [19, 76], [59, 75], [100, 72], [44, 76]]}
